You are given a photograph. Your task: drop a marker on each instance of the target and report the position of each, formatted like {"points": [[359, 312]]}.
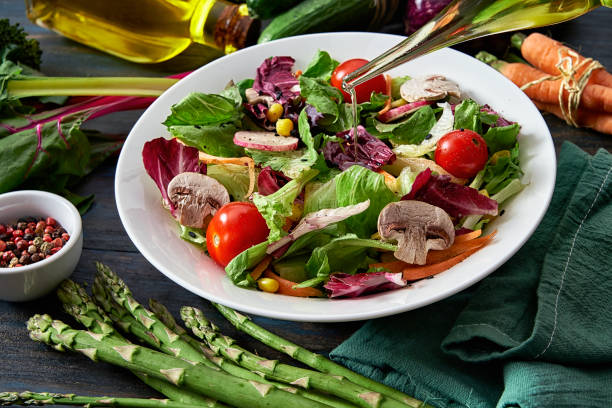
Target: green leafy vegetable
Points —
{"points": [[396, 84], [501, 137], [415, 128], [276, 207], [234, 177], [213, 139], [321, 95], [467, 116], [321, 66], [357, 184], [347, 253], [203, 109], [237, 269], [196, 236], [499, 173], [17, 47]]}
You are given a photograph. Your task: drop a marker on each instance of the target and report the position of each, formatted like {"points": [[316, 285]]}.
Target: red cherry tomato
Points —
{"points": [[462, 153], [362, 91], [235, 227]]}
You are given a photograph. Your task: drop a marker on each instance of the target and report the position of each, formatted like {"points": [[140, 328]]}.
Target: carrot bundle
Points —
{"points": [[543, 53], [561, 82]]}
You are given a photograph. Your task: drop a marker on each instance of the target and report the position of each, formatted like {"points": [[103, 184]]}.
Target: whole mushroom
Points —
{"points": [[430, 88], [417, 227], [196, 197]]}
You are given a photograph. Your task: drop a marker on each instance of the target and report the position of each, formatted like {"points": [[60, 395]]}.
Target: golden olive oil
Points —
{"points": [[147, 30]]}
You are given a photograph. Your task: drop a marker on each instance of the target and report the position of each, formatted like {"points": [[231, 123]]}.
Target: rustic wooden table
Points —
{"points": [[27, 365]]}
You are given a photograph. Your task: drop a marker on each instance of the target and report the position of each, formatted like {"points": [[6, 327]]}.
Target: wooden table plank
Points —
{"points": [[30, 365]]}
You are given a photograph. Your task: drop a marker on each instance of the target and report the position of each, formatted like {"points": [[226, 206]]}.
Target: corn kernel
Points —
{"points": [[284, 127], [275, 112], [498, 155], [268, 285]]}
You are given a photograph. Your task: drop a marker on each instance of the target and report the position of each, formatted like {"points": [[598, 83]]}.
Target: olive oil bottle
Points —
{"points": [[147, 31]]}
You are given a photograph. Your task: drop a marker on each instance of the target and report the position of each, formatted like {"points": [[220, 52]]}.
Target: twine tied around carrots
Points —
{"points": [[574, 86]]}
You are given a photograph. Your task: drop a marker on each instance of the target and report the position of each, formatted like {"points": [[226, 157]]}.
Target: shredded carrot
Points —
{"points": [[261, 267], [438, 261], [467, 237], [388, 92], [285, 287], [434, 257], [246, 161], [543, 52], [297, 73]]}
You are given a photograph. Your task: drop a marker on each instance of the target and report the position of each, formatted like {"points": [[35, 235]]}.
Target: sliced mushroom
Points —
{"points": [[417, 227], [430, 88], [253, 97], [196, 198]]}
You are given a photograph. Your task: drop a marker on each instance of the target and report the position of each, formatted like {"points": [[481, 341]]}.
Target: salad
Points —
{"points": [[275, 180]]}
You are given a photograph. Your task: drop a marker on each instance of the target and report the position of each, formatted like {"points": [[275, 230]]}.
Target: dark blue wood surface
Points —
{"points": [[27, 365]]}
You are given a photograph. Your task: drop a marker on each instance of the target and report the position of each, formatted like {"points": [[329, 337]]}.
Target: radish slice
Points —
{"points": [[268, 141], [400, 111]]}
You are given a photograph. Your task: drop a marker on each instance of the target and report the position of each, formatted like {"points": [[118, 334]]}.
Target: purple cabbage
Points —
{"points": [[343, 284], [163, 159], [420, 181], [419, 12], [371, 153], [455, 199], [270, 181], [274, 78]]}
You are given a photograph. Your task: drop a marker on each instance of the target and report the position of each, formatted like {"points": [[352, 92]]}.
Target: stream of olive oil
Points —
{"points": [[351, 91]]}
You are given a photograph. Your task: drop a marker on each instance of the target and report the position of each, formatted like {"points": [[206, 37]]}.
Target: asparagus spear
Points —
{"points": [[117, 291], [314, 360], [338, 386], [47, 398], [164, 315], [79, 305], [215, 383]]}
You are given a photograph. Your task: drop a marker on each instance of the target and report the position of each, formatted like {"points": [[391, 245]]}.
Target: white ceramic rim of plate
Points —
{"points": [[382, 304]]}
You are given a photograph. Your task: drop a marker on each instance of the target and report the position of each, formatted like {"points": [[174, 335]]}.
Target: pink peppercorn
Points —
{"points": [[65, 236], [18, 233], [58, 242], [2, 246], [49, 229], [51, 221], [47, 238]]}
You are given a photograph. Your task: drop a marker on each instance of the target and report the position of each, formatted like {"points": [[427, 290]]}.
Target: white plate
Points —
{"points": [[155, 234]]}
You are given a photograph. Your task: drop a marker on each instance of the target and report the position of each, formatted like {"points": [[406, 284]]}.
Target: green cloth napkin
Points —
{"points": [[536, 333]]}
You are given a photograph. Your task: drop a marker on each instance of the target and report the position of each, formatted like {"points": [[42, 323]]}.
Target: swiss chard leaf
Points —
{"points": [[203, 109]]}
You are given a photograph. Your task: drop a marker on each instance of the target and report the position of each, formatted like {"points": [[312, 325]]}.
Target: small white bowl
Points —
{"points": [[35, 280]]}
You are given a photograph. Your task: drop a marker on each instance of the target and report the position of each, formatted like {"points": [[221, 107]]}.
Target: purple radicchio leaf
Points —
{"points": [[274, 78], [269, 181], [501, 121], [343, 284], [258, 113], [372, 153], [455, 199], [419, 182], [163, 159], [314, 116], [318, 220]]}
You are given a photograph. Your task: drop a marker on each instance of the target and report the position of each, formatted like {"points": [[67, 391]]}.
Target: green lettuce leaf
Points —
{"points": [[238, 268], [203, 109], [196, 236], [499, 174], [501, 137], [347, 253], [276, 207], [415, 128], [234, 177], [467, 116], [396, 84], [321, 95], [321, 66], [214, 139]]}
